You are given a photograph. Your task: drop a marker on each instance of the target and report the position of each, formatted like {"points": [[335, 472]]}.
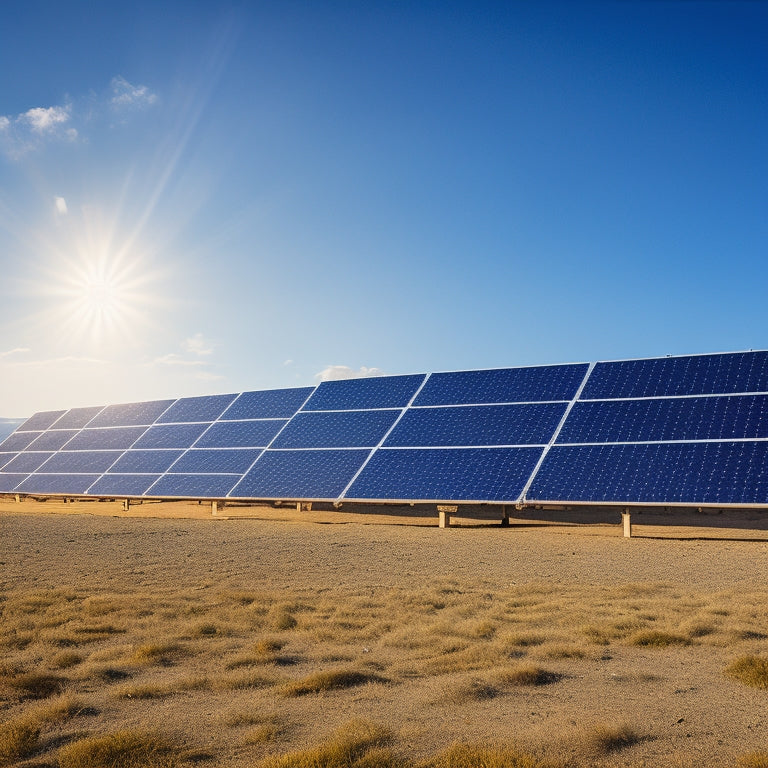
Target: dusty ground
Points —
{"points": [[435, 614]]}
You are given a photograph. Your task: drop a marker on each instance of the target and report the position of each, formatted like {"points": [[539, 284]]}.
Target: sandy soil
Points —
{"points": [[687, 710]]}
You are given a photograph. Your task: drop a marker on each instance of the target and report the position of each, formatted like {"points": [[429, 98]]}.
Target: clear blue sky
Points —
{"points": [[206, 197]]}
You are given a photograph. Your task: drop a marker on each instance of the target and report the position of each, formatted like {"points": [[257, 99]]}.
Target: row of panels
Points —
{"points": [[405, 437], [696, 418], [686, 473]]}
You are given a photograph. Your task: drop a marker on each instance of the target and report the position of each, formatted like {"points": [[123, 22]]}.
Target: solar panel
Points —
{"points": [[320, 474], [58, 484], [437, 474], [694, 375], [143, 462], [77, 418], [27, 462], [688, 430], [216, 460], [193, 486], [18, 441], [375, 392], [706, 473], [241, 434], [504, 385], [171, 436], [336, 429], [130, 414], [52, 440], [477, 425], [207, 408], [102, 439], [40, 421], [122, 485], [269, 404], [81, 461]]}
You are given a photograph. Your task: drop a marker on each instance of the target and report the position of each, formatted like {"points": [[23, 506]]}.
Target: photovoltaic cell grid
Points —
{"points": [[688, 430]]}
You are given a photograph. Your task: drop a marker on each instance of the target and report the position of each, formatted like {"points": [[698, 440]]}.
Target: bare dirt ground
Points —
{"points": [[203, 630]]}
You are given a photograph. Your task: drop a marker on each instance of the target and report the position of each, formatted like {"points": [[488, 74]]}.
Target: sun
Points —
{"points": [[102, 294]]}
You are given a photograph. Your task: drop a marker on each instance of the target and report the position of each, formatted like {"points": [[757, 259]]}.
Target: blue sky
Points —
{"points": [[209, 197]]}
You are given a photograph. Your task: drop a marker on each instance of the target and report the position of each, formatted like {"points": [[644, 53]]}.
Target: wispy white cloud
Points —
{"points": [[46, 119], [33, 129], [172, 358], [288, 362], [15, 351], [29, 130], [125, 95], [337, 372], [198, 345], [61, 206]]}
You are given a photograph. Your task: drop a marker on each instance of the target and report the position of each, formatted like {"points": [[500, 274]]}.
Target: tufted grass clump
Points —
{"points": [[123, 749], [330, 680], [19, 738], [358, 744], [750, 670], [655, 638]]}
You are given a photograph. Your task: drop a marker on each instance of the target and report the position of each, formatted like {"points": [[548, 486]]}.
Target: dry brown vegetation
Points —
{"points": [[278, 674]]}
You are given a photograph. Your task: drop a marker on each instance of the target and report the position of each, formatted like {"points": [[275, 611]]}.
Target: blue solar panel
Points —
{"points": [[375, 392], [52, 440], [193, 486], [269, 404], [77, 418], [121, 485], [102, 439], [155, 462], [445, 474], [477, 425], [241, 434], [300, 474], [687, 473], [216, 460], [504, 385], [171, 436], [6, 457], [40, 421], [18, 441], [336, 429], [80, 461], [664, 376], [27, 462], [207, 408], [8, 482], [130, 414], [694, 418], [61, 485]]}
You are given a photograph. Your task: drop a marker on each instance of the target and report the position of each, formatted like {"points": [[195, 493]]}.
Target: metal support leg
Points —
{"points": [[214, 508], [504, 516], [627, 521]]}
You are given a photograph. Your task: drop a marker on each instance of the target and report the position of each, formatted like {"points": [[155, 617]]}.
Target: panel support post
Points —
{"points": [[214, 508], [504, 516], [627, 521], [126, 504], [444, 513], [18, 499]]}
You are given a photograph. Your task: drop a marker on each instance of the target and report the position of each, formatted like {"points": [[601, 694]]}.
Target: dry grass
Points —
{"points": [[654, 638], [124, 749], [750, 670], [478, 756], [356, 745], [753, 760], [603, 740], [526, 674], [37, 685], [330, 680], [19, 739]]}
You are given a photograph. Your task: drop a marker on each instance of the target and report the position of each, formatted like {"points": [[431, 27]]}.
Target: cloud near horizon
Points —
{"points": [[338, 372]]}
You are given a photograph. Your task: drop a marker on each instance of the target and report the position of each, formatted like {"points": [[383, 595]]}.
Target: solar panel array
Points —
{"points": [[675, 430]]}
